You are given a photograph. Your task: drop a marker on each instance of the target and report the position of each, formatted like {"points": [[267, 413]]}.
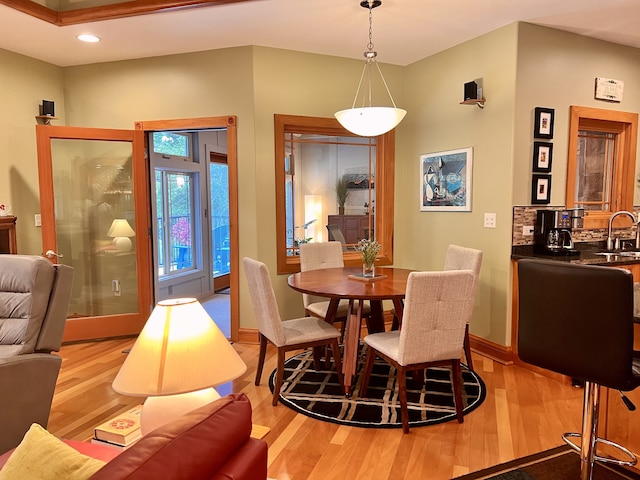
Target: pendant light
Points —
{"points": [[369, 121]]}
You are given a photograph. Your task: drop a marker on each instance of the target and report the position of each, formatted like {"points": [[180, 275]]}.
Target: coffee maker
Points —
{"points": [[552, 232]]}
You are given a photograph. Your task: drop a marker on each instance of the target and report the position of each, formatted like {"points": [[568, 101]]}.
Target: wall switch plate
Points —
{"points": [[527, 230], [37, 219], [489, 220]]}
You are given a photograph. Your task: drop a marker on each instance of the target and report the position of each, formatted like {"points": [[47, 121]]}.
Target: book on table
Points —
{"points": [[123, 429], [115, 446]]}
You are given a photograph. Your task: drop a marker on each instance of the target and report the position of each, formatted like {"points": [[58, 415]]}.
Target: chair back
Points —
{"points": [[464, 258], [34, 302], [316, 256], [434, 319], [263, 298], [577, 320]]}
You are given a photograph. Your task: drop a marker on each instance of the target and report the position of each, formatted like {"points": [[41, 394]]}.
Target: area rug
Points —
{"points": [[318, 394], [560, 463]]}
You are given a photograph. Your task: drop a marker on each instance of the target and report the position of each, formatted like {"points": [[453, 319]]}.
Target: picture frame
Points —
{"points": [[542, 156], [543, 122], [540, 189], [446, 180]]}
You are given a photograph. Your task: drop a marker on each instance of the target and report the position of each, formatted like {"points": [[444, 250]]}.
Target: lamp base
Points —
{"points": [[123, 244], [158, 411]]}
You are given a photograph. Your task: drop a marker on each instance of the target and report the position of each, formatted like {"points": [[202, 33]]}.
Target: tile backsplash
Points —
{"points": [[526, 217]]}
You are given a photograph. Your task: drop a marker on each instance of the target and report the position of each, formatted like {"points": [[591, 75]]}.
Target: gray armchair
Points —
{"points": [[34, 300]]}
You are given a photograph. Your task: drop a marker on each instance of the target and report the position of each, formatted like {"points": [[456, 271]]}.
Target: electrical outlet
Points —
{"points": [[489, 220], [527, 231]]}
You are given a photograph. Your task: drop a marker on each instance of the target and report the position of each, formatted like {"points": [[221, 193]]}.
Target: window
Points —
{"points": [[601, 163], [315, 155], [175, 221], [172, 144]]}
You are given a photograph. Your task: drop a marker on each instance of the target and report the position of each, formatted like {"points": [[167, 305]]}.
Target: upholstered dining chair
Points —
{"points": [[315, 256], [577, 320], [34, 300], [294, 334], [464, 258], [436, 307]]}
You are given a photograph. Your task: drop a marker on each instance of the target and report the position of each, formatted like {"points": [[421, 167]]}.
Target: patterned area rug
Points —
{"points": [[318, 394]]}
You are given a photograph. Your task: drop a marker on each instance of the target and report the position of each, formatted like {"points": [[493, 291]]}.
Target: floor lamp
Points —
{"points": [[178, 358]]}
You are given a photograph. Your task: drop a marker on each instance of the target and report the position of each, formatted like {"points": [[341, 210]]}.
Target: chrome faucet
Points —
{"points": [[614, 243]]}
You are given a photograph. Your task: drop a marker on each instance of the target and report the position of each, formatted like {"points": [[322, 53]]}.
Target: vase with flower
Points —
{"points": [[369, 250]]}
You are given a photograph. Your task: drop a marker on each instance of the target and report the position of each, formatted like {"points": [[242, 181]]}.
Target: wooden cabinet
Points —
{"points": [[8, 241], [353, 227]]}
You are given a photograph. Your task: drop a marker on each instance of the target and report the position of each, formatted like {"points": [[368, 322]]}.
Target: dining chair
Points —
{"points": [[464, 258], [436, 307], [294, 334], [316, 256]]}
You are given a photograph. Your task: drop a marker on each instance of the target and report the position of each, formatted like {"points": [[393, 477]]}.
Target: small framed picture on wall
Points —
{"points": [[542, 156], [540, 189], [543, 123]]}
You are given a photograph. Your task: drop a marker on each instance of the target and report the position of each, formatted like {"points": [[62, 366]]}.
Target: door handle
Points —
{"points": [[51, 254]]}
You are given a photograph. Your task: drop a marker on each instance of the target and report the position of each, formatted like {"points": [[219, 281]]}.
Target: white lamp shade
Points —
{"points": [[120, 228], [179, 350], [370, 121]]}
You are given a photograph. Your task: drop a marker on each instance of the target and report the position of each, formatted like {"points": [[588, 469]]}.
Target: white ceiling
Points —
{"points": [[404, 31]]}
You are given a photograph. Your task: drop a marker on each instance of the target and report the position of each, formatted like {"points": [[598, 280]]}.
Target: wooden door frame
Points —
{"points": [[229, 122]]}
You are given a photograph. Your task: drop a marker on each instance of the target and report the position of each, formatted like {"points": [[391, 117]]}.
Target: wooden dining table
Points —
{"points": [[346, 283]]}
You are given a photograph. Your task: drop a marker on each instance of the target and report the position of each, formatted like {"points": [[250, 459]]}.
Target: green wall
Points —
{"points": [[436, 122], [24, 83], [521, 66]]}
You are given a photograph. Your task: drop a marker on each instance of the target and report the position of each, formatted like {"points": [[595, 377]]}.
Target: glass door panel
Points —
{"points": [[220, 241], [91, 190]]}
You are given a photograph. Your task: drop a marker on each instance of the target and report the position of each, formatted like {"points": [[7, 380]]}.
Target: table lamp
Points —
{"points": [[120, 230], [178, 358]]}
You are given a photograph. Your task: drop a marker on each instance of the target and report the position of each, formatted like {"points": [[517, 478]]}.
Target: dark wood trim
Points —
{"points": [[107, 12], [500, 353]]}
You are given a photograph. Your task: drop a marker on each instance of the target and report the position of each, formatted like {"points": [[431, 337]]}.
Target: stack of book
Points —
{"points": [[121, 431]]}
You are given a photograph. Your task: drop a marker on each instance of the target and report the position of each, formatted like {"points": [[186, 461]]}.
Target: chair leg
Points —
{"points": [[335, 348], [590, 409], [261, 356], [371, 356], [279, 377], [402, 390], [456, 380], [467, 348]]}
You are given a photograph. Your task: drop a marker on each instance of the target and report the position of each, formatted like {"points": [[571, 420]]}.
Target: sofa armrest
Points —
{"points": [[31, 379], [248, 463]]}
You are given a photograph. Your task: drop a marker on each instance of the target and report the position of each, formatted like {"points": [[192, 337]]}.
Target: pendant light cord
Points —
{"points": [[371, 55]]}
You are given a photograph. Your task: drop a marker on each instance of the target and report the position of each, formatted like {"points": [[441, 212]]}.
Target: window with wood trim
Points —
{"points": [[313, 155], [601, 163]]}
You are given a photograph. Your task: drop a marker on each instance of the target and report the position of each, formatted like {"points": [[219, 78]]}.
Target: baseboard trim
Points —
{"points": [[500, 353], [248, 335]]}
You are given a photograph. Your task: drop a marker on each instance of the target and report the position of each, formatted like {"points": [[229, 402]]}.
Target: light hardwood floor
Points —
{"points": [[523, 413]]}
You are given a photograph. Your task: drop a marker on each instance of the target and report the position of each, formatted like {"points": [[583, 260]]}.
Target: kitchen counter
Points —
{"points": [[586, 255]]}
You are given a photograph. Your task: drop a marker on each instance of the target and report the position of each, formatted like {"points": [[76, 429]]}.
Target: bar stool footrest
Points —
{"points": [[627, 463]]}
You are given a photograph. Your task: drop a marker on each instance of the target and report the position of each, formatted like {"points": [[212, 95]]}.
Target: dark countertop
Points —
{"points": [[586, 255]]}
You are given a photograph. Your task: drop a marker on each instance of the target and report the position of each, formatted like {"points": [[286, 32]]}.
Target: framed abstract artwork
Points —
{"points": [[542, 156], [541, 189], [446, 180], [543, 123]]}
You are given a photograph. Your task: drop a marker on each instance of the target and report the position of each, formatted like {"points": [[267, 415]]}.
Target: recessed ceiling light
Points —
{"points": [[87, 37]]}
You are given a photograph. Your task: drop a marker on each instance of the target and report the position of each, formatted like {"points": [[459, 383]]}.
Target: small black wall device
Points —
{"points": [[48, 108], [470, 91]]}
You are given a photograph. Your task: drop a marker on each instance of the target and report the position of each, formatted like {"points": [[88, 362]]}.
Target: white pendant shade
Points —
{"points": [[370, 121]]}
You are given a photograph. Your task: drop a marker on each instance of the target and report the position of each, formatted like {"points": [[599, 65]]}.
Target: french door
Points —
{"points": [[94, 204]]}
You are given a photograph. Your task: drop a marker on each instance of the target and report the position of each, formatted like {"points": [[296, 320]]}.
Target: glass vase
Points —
{"points": [[368, 271]]}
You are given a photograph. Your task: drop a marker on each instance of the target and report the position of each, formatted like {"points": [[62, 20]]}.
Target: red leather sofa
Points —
{"points": [[212, 442]]}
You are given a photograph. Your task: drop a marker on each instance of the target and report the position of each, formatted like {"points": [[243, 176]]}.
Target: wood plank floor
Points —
{"points": [[523, 413]]}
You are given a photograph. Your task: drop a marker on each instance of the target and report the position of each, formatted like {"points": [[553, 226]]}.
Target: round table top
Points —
{"points": [[337, 283]]}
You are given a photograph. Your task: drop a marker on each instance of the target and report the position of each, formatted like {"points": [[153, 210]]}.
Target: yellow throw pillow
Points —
{"points": [[42, 456]]}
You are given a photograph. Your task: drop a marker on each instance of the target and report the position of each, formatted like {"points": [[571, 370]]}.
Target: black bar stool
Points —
{"points": [[577, 320]]}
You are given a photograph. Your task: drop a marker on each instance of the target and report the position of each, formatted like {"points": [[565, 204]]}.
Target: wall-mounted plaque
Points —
{"points": [[609, 89]]}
